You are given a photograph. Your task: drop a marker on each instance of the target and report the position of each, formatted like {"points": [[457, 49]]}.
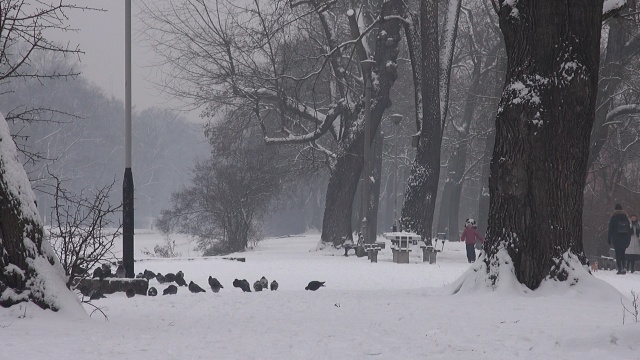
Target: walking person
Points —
{"points": [[633, 251], [470, 236], [619, 235]]}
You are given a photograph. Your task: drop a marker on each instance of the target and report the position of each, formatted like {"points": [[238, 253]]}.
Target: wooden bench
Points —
{"points": [[348, 247], [372, 251], [429, 253], [606, 263]]}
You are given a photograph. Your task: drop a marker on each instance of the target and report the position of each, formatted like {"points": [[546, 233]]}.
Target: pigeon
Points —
{"points": [[96, 294], [314, 285], [242, 284], [130, 293], [160, 278], [148, 274], [97, 273], [194, 288], [215, 284], [120, 272], [274, 285], [264, 282], [152, 291], [257, 286], [106, 273], [169, 277], [140, 276], [180, 279], [170, 290]]}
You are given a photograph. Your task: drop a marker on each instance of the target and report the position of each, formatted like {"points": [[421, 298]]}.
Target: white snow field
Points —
{"points": [[366, 311]]}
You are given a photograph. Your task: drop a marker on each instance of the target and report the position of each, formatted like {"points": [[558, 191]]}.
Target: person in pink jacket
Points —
{"points": [[470, 235]]}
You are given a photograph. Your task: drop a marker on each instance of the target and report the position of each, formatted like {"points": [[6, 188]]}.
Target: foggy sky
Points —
{"points": [[101, 36]]}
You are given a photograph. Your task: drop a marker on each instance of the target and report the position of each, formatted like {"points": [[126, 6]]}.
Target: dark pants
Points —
{"points": [[631, 261], [620, 257], [471, 252]]}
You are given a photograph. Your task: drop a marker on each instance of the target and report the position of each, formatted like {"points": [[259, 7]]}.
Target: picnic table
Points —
{"points": [[400, 242]]}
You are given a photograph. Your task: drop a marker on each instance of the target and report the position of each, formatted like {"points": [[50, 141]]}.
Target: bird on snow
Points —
{"points": [[96, 294], [148, 274], [160, 278], [242, 284], [194, 288], [274, 285], [257, 286], [169, 277], [170, 290], [120, 272], [314, 285], [215, 284], [97, 273], [130, 293], [264, 282], [180, 279], [152, 291]]}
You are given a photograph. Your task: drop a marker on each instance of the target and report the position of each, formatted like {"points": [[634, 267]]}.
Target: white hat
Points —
{"points": [[471, 222]]}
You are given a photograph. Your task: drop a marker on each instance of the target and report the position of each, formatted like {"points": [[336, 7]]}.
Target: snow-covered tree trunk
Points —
{"points": [[422, 188], [343, 181], [29, 269], [458, 159], [543, 125]]}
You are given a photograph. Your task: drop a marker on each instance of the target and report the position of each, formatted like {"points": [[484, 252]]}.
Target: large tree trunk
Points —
{"points": [[422, 188], [336, 225], [542, 138], [29, 269]]}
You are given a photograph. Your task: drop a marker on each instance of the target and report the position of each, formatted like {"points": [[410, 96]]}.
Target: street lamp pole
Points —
{"points": [[396, 118], [127, 183], [366, 75]]}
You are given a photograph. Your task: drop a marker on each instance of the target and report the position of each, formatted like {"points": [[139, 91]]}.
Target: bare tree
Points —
{"points": [[82, 231], [295, 67], [228, 195], [25, 257]]}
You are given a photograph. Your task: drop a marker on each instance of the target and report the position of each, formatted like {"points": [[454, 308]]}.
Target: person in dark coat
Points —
{"points": [[619, 235], [470, 235]]}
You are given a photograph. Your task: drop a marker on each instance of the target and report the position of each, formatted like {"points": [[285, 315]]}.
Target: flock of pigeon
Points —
{"points": [[178, 278]]}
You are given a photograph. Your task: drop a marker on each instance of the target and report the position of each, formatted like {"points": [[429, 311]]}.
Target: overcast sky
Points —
{"points": [[101, 37]]}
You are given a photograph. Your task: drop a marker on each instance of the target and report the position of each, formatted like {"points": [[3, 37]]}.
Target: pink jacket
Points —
{"points": [[470, 234]]}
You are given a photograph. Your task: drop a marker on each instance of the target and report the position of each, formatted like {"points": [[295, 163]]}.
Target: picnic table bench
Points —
{"points": [[400, 242]]}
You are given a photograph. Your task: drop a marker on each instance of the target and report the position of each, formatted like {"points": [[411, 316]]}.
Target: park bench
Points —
{"points": [[372, 251]]}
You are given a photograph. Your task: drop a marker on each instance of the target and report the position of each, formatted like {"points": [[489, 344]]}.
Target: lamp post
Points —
{"points": [[366, 175], [127, 183], [396, 118]]}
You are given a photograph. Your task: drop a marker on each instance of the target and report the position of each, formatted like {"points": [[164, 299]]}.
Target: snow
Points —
{"points": [[610, 5], [45, 276], [381, 310]]}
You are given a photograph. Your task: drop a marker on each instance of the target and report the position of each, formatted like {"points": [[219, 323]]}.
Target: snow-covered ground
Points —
{"points": [[381, 310]]}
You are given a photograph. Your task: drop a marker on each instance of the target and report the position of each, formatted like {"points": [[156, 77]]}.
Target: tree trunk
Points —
{"points": [[336, 225], [497, 84], [422, 188], [458, 159], [445, 203], [374, 200], [542, 138], [29, 269]]}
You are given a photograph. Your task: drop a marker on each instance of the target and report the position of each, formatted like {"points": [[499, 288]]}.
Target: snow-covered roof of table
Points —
{"points": [[400, 234]]}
